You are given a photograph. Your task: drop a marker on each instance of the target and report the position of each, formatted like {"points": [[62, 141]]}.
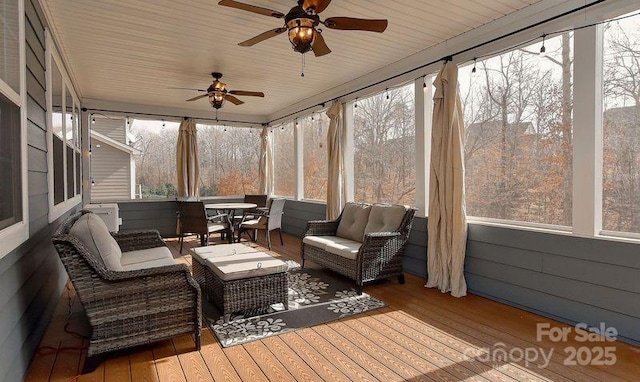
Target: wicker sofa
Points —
{"points": [[365, 243], [139, 298]]}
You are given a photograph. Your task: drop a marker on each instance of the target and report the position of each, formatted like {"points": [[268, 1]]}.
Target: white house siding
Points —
{"points": [[110, 173], [112, 127]]}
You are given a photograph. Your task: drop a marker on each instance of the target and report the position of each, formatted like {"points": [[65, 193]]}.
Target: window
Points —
{"points": [[64, 140], [229, 160], [156, 164], [518, 120], [384, 142], [13, 178], [621, 126], [314, 132], [10, 168], [10, 44], [228, 156], [284, 160], [57, 94]]}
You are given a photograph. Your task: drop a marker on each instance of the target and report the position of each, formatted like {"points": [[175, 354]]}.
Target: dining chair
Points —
{"points": [[259, 200], [193, 219], [261, 207], [270, 221]]}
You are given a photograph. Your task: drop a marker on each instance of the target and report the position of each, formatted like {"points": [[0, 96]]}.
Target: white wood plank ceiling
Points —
{"points": [[132, 51]]}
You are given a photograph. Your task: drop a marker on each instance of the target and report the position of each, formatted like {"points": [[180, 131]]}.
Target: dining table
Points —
{"points": [[231, 209]]}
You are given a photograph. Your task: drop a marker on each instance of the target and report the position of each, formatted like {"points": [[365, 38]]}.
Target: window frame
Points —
{"points": [[71, 199], [14, 235]]}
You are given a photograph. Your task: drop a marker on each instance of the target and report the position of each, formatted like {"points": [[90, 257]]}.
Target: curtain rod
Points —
{"points": [[445, 59], [127, 113]]}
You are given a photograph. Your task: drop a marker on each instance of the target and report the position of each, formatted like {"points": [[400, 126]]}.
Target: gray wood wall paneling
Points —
{"points": [[34, 285], [568, 278], [297, 213], [35, 16], [32, 276]]}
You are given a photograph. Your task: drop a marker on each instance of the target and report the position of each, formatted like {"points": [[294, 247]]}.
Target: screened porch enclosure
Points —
{"points": [[93, 93]]}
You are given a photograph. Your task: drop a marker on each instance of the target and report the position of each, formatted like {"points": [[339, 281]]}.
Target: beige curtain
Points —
{"points": [[335, 157], [447, 222], [187, 159], [266, 163]]}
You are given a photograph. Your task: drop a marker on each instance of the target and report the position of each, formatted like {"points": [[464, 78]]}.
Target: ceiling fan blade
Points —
{"points": [[350, 23], [252, 8], [246, 93], [320, 47], [263, 36], [233, 99], [317, 5], [198, 90], [197, 97]]}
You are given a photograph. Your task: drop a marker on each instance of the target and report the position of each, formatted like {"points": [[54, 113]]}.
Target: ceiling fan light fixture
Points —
{"points": [[302, 34], [216, 99]]}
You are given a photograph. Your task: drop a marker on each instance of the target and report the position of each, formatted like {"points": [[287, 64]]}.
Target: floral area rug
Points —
{"points": [[315, 297]]}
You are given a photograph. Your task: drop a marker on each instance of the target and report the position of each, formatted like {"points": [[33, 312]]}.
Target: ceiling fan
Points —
{"points": [[302, 22], [218, 93]]}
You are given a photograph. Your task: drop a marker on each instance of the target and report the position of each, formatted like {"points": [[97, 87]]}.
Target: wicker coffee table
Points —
{"points": [[237, 277]]}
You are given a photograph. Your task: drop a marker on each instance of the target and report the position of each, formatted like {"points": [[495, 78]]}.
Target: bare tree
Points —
{"points": [[384, 140], [621, 127]]}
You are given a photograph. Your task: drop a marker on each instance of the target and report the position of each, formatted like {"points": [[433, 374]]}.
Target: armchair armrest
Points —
{"points": [[128, 293], [321, 228], [146, 272], [137, 240], [381, 245], [165, 279]]}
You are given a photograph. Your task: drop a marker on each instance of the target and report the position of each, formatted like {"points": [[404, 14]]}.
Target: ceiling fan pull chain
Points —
{"points": [[302, 74]]}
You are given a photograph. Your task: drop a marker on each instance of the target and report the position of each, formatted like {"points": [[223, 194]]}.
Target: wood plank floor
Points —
{"points": [[422, 335]]}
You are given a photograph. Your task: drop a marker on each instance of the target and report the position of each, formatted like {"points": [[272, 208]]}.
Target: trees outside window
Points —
{"points": [[621, 126], [518, 120], [284, 160], [228, 159], [384, 141], [314, 129]]}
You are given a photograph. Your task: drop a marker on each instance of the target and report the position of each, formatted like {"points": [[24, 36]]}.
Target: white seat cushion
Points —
{"points": [[149, 264], [146, 256], [242, 266], [385, 218], [347, 249], [94, 234], [215, 227], [260, 223], [202, 253], [322, 241], [354, 219]]}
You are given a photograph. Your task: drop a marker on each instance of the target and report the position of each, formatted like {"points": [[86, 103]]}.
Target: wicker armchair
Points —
{"points": [[378, 257], [129, 308]]}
